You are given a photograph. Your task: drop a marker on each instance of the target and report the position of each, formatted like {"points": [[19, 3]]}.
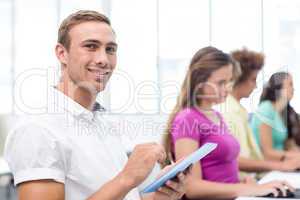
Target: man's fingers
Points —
{"points": [[175, 186], [170, 193], [174, 189], [167, 191], [182, 178], [159, 152]]}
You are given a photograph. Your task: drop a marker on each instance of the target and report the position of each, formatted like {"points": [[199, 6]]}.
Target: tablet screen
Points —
{"points": [[181, 166]]}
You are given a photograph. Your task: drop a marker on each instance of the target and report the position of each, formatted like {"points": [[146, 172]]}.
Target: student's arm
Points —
{"points": [[138, 167], [113, 190], [269, 152], [291, 145], [116, 189], [255, 165], [196, 187], [41, 189]]}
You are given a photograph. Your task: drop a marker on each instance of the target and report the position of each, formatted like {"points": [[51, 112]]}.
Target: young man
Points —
{"points": [[66, 153], [251, 158]]}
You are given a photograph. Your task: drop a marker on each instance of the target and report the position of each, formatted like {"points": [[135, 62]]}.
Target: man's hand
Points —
{"points": [[141, 163], [172, 190]]}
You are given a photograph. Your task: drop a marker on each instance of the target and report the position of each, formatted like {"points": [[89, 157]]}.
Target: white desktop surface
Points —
{"points": [[291, 177]]}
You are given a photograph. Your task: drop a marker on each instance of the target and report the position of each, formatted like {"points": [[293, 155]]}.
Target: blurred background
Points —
{"points": [[156, 42]]}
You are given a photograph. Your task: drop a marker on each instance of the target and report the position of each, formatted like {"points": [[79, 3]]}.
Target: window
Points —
{"points": [[6, 56], [35, 37], [156, 42], [282, 41], [236, 24], [183, 29], [134, 85], [67, 7]]}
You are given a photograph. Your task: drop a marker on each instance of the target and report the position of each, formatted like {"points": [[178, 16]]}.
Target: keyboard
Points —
{"points": [[290, 195]]}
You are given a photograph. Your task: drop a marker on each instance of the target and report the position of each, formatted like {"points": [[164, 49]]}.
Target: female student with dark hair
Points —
{"points": [[250, 159], [275, 121], [193, 122]]}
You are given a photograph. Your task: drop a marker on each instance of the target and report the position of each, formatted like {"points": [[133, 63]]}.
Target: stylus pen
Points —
{"points": [[170, 158]]}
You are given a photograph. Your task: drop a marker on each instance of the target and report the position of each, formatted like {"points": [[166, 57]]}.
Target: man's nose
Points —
{"points": [[101, 58]]}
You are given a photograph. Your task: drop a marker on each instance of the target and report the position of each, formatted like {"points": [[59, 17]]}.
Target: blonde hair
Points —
{"points": [[203, 64], [75, 19]]}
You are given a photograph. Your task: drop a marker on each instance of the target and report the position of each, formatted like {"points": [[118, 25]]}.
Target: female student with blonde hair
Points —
{"points": [[193, 122]]}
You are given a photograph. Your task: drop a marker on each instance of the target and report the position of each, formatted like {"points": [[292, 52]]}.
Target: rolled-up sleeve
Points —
{"points": [[33, 153]]}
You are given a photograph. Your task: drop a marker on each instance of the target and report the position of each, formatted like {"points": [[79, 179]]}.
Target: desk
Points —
{"points": [[291, 177]]}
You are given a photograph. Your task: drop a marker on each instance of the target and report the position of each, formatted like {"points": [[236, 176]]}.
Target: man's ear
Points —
{"points": [[61, 53]]}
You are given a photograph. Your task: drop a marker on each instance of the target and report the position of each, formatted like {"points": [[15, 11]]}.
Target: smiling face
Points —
{"points": [[91, 57], [218, 85]]}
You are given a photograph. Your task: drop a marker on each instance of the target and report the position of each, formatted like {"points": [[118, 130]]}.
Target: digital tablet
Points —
{"points": [[181, 166]]}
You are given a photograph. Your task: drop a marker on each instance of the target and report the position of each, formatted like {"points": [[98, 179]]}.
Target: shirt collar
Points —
{"points": [[233, 105], [61, 102]]}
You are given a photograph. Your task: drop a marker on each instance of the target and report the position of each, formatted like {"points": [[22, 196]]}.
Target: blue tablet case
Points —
{"points": [[181, 166]]}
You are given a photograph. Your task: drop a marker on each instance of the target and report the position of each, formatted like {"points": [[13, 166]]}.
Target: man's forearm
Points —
{"points": [[116, 189]]}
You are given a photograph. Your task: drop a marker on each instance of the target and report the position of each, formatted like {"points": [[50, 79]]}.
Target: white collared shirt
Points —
{"points": [[68, 144]]}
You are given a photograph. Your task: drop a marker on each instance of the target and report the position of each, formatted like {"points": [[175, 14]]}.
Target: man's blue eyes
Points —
{"points": [[91, 46], [111, 49], [108, 49]]}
